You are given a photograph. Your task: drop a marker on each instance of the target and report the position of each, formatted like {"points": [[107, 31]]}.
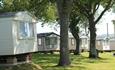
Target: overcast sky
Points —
{"points": [[102, 26], [46, 28]]}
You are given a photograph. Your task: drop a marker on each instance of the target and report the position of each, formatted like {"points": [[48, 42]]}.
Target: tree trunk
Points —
{"points": [[92, 29], [77, 51], [64, 8], [75, 32]]}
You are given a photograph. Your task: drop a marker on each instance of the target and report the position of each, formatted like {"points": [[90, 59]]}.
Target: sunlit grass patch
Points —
{"points": [[81, 62]]}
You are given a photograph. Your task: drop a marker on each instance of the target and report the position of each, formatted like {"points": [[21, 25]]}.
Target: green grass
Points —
{"points": [[82, 62]]}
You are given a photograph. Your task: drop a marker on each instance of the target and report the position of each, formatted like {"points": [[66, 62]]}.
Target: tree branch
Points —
{"points": [[82, 8], [106, 8], [96, 6]]}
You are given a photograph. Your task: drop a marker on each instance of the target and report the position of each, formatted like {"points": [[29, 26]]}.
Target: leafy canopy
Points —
{"points": [[44, 10]]}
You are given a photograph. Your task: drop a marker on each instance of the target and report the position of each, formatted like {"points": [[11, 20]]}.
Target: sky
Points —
{"points": [[102, 26], [46, 28]]}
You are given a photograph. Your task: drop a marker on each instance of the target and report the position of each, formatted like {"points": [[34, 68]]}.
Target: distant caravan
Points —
{"points": [[50, 42], [105, 45]]}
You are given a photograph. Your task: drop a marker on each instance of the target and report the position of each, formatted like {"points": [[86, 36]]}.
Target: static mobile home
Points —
{"points": [[104, 43], [17, 37], [48, 42]]}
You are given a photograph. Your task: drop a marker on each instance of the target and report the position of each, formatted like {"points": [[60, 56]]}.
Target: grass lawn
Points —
{"points": [[82, 62]]}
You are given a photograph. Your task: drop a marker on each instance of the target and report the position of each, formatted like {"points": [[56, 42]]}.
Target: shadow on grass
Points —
{"points": [[78, 67], [83, 59], [49, 61], [45, 58]]}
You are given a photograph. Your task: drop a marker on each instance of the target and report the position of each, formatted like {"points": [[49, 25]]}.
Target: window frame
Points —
{"points": [[32, 30]]}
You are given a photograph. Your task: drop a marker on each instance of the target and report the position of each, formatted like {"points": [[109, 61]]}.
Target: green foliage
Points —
{"points": [[6, 5], [75, 14], [20, 5], [14, 5], [44, 10]]}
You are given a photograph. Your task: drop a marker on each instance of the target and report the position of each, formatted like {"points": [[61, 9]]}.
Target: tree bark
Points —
{"points": [[77, 38], [92, 29], [64, 8], [75, 32]]}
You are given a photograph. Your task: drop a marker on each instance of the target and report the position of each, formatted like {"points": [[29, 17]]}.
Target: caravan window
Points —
{"points": [[47, 41], [26, 30], [51, 40], [39, 41]]}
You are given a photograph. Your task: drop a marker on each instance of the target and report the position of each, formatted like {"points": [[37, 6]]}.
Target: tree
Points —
{"points": [[88, 8], [44, 10], [74, 21], [77, 21], [14, 5], [64, 9]]}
